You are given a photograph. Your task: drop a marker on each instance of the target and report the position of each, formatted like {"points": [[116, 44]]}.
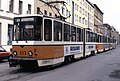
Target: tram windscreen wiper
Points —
{"points": [[26, 35]]}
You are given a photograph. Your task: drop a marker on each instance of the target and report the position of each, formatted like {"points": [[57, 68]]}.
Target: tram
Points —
{"points": [[42, 41]]}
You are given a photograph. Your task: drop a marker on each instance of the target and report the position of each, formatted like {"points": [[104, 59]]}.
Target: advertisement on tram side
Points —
{"points": [[73, 49]]}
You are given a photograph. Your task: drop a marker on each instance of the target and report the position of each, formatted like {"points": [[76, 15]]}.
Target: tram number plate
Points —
{"points": [[22, 52]]}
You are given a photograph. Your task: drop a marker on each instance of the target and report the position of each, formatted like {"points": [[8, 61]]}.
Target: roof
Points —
{"points": [[95, 5], [98, 8], [90, 3]]}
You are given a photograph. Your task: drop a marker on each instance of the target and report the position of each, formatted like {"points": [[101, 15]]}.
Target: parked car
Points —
{"points": [[3, 53]]}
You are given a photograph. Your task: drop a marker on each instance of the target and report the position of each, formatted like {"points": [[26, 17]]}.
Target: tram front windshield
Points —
{"points": [[25, 31]]}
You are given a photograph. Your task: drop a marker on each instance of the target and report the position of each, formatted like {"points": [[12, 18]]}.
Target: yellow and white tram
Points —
{"points": [[40, 40]]}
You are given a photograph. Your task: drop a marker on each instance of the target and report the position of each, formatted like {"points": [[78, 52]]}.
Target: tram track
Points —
{"points": [[21, 74]]}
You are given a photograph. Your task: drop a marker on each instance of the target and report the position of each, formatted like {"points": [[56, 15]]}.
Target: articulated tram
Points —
{"points": [[41, 41]]}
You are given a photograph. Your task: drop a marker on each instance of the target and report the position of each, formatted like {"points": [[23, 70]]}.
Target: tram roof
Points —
{"points": [[28, 15]]}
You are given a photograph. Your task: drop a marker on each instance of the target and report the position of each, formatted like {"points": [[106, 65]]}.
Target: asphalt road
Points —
{"points": [[101, 67]]}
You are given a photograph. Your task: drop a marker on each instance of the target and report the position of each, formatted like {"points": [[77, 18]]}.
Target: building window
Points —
{"points": [[68, 1], [86, 13], [83, 11], [10, 34], [80, 10], [76, 7], [50, 14], [0, 4], [45, 12], [67, 13], [76, 17], [20, 7], [63, 10], [29, 9], [83, 20], [80, 19], [83, 2], [38, 10], [45, 0], [88, 7], [11, 5]]}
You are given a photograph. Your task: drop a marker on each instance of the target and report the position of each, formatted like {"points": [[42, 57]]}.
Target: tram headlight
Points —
{"points": [[14, 53], [30, 53]]}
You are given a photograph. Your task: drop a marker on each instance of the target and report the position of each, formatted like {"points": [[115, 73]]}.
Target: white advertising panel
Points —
{"points": [[90, 47], [72, 49]]}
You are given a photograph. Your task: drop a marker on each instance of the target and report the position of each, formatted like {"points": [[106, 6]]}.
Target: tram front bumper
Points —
{"points": [[14, 62]]}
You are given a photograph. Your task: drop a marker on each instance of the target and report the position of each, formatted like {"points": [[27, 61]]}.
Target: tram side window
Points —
{"points": [[73, 33], [100, 38], [66, 32], [109, 40], [82, 34], [97, 38], [103, 39], [86, 36], [78, 34], [39, 30], [113, 40], [57, 31], [47, 30], [88, 39], [91, 37]]}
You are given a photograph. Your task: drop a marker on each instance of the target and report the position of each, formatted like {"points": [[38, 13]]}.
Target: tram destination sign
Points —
{"points": [[31, 19]]}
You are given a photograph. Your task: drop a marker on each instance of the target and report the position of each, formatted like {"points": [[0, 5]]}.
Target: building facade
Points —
{"points": [[98, 20], [107, 30], [78, 12], [110, 31], [9, 9], [45, 8]]}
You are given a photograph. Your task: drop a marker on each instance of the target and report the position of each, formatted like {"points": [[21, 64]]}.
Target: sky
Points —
{"points": [[111, 10]]}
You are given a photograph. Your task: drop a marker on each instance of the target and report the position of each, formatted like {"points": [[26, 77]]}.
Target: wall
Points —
{"points": [[6, 17]]}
